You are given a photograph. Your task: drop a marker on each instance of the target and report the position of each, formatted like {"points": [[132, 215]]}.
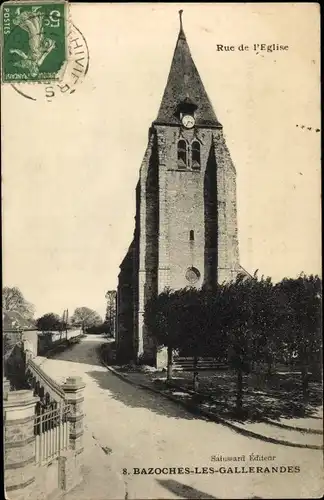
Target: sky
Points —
{"points": [[70, 166]]}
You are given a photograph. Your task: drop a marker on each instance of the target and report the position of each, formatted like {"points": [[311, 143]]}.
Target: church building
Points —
{"points": [[186, 222]]}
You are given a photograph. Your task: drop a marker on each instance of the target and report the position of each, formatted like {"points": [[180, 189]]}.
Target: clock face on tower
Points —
{"points": [[188, 121]]}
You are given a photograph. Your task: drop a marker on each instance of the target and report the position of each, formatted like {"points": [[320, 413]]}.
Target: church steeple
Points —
{"points": [[184, 85]]}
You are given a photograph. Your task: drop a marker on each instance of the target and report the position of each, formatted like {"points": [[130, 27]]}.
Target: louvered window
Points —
{"points": [[182, 154], [195, 155]]}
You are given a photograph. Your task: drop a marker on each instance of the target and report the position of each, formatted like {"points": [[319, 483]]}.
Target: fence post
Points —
{"points": [[71, 461], [73, 388], [19, 442]]}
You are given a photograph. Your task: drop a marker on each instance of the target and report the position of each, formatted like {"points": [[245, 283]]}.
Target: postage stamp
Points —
{"points": [[70, 76], [34, 46]]}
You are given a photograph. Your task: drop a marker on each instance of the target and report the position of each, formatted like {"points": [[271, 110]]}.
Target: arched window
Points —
{"points": [[182, 154], [192, 235], [195, 154]]}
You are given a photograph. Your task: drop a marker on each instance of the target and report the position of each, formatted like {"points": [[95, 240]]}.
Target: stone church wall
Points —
{"points": [[125, 309], [228, 256]]}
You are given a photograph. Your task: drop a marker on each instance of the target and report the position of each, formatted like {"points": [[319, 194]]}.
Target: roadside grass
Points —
{"points": [[274, 397], [264, 397]]}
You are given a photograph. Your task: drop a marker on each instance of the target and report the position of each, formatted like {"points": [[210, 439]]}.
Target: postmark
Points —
{"points": [[71, 75], [34, 45]]}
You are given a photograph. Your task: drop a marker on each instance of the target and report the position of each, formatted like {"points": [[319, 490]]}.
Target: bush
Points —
{"points": [[99, 329]]}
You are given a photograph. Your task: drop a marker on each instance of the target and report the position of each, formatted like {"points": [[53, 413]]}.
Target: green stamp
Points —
{"points": [[34, 46]]}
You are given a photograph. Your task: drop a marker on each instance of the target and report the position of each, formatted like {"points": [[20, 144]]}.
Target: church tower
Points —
{"points": [[186, 223]]}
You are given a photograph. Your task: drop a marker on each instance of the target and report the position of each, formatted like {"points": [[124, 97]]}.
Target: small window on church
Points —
{"points": [[192, 235], [195, 154], [182, 154]]}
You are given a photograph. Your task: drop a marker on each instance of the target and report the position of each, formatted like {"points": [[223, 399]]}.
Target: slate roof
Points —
{"points": [[127, 260], [184, 83]]}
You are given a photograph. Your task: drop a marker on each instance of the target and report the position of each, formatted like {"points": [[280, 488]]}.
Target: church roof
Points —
{"points": [[184, 85]]}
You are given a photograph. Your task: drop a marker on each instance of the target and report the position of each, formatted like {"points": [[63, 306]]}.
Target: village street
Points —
{"points": [[127, 427]]}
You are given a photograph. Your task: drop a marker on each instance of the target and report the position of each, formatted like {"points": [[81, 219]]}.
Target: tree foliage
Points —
{"points": [[13, 300], [300, 317], [245, 322], [99, 329], [49, 322], [85, 317], [110, 316]]}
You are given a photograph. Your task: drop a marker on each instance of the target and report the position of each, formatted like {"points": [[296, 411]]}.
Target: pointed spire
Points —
{"points": [[181, 32], [184, 84]]}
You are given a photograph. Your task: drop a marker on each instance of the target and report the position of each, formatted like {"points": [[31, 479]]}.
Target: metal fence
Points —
{"points": [[51, 428]]}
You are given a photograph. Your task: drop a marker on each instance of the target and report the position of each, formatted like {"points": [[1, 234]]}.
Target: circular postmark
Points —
{"points": [[70, 75]]}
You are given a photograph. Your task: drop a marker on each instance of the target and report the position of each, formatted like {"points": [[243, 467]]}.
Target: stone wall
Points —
{"points": [[47, 341], [14, 367], [211, 213], [30, 339], [10, 339], [24, 478], [14, 360], [228, 251], [202, 201], [183, 209], [149, 246], [19, 410], [125, 308]]}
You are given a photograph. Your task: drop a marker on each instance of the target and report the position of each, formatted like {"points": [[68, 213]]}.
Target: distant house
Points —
{"points": [[13, 325], [13, 321]]}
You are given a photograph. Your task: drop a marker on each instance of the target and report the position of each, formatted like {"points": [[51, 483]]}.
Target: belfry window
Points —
{"points": [[195, 155], [182, 154]]}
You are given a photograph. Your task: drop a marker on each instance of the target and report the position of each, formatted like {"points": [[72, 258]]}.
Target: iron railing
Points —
{"points": [[51, 428]]}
